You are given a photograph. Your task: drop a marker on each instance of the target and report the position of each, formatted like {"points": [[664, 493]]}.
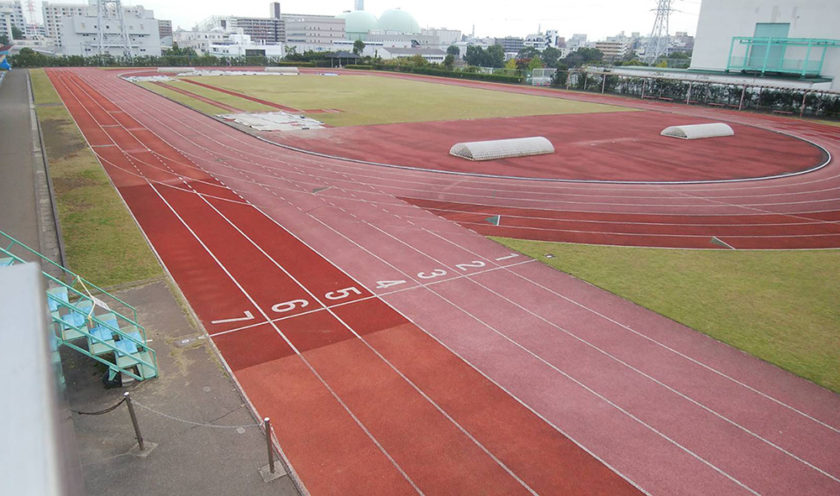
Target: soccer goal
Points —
{"points": [[503, 148], [698, 131]]}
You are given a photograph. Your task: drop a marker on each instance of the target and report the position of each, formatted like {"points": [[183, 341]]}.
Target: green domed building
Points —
{"points": [[358, 24], [396, 21]]}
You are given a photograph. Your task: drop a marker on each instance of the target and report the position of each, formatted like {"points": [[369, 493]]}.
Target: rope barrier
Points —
{"points": [[101, 412], [190, 422]]}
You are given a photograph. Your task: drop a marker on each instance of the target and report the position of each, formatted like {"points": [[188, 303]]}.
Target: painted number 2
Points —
{"points": [[475, 264]]}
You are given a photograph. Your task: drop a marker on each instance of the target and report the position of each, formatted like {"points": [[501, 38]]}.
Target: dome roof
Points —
{"points": [[358, 22], [398, 21]]}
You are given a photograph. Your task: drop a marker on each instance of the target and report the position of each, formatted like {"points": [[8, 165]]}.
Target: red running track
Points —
{"points": [[613, 146], [470, 326], [337, 369], [797, 212]]}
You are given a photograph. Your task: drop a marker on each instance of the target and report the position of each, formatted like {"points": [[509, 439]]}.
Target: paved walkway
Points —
{"points": [[18, 201], [176, 411]]}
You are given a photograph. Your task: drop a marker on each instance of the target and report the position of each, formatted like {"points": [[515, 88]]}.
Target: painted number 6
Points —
{"points": [[288, 306]]}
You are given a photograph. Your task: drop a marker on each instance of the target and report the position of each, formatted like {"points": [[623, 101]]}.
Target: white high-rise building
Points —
{"points": [[78, 34], [785, 38], [55, 12], [11, 14]]}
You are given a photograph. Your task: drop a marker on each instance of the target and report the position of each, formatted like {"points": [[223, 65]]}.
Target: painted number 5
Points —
{"points": [[342, 293]]}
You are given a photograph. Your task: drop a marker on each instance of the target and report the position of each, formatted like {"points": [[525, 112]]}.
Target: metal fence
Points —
{"points": [[824, 104]]}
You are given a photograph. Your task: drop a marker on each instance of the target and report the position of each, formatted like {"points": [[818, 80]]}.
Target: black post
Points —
{"points": [[134, 420]]}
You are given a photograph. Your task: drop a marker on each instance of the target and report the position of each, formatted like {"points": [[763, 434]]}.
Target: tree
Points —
{"points": [[358, 47], [535, 63], [17, 34], [474, 55], [417, 60], [449, 61], [550, 56], [497, 56], [511, 64], [583, 56], [4, 39], [453, 50], [527, 53]]}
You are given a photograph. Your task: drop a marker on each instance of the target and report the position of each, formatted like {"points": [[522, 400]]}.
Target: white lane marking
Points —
{"points": [[373, 349], [373, 296], [759, 187], [297, 352], [552, 366], [291, 345], [248, 316], [655, 342]]}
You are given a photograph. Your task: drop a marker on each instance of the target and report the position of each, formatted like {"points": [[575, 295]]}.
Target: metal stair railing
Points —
{"points": [[83, 298]]}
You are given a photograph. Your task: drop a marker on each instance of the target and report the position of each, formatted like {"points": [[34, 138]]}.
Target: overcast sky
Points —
{"points": [[596, 18]]}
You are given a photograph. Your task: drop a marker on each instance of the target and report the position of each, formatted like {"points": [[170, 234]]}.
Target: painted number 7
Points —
{"points": [[342, 293]]}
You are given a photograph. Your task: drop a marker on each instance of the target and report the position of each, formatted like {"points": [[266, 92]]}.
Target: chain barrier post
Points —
{"points": [[267, 422], [128, 402]]}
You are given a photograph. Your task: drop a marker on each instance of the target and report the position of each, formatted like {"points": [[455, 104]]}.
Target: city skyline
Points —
{"points": [[492, 18]]}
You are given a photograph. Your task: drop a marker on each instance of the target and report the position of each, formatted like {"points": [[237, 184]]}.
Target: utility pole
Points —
{"points": [[112, 11], [659, 39]]}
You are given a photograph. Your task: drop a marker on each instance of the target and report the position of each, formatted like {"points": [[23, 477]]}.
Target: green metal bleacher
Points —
{"points": [[88, 319]]}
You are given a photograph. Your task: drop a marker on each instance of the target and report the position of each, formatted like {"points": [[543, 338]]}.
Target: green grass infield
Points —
{"points": [[370, 99]]}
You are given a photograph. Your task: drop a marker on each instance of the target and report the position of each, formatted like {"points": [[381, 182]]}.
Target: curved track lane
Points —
{"points": [[669, 410]]}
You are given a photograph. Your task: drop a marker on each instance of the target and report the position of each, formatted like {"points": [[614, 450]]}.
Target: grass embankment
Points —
{"points": [[102, 242], [367, 100], [781, 306]]}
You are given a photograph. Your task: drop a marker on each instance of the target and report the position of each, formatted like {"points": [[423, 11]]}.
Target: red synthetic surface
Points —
{"points": [[614, 146], [461, 350], [229, 258]]}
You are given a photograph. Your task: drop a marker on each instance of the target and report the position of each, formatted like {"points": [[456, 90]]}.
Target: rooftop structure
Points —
{"points": [[785, 38]]}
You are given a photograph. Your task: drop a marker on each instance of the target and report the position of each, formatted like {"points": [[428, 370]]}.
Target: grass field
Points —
{"points": [[781, 306], [366, 100], [193, 103], [102, 242]]}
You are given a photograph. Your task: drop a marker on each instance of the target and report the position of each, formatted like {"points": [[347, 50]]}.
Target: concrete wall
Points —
{"points": [[720, 20]]}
